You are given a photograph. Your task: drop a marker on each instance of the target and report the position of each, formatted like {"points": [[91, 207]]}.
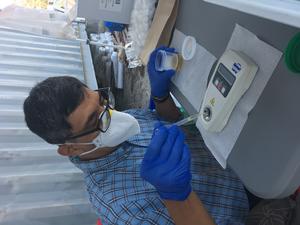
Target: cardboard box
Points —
{"points": [[160, 31]]}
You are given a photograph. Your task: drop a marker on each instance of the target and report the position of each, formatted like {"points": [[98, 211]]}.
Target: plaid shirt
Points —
{"points": [[120, 196]]}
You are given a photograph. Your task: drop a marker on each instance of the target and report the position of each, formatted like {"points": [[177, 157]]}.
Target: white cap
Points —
{"points": [[188, 49]]}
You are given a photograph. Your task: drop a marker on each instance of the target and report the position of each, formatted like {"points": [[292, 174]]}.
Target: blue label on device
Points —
{"points": [[236, 67]]}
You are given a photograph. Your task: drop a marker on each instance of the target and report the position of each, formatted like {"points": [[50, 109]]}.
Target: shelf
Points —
{"points": [[283, 11]]}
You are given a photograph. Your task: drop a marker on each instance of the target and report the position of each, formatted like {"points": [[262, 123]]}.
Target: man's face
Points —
{"points": [[83, 118]]}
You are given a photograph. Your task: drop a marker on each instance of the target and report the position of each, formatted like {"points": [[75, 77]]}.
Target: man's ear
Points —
{"points": [[68, 150], [63, 150]]}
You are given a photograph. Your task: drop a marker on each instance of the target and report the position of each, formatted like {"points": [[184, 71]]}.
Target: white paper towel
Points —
{"points": [[192, 78], [267, 58]]}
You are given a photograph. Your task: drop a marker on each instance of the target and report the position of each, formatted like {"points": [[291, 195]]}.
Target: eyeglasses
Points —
{"points": [[106, 99]]}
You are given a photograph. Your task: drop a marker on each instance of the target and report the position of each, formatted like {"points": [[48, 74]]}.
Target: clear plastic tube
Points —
{"points": [[186, 120]]}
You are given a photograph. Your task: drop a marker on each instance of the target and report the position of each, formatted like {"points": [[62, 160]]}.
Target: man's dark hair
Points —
{"points": [[49, 104]]}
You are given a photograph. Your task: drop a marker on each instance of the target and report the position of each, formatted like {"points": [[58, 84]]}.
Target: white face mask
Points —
{"points": [[122, 127]]}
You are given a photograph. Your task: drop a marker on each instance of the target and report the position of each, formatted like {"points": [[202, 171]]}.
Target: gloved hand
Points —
{"points": [[159, 80], [166, 164]]}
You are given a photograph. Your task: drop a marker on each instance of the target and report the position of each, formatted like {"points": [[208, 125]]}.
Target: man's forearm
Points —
{"points": [[190, 211], [168, 110]]}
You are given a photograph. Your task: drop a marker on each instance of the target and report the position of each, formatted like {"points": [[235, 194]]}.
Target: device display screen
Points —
{"points": [[223, 80]]}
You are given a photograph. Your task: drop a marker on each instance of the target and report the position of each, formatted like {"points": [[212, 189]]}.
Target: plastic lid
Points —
{"points": [[292, 54], [189, 46]]}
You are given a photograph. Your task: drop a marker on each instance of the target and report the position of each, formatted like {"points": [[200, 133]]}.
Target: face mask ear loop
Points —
{"points": [[92, 150], [88, 152], [69, 143]]}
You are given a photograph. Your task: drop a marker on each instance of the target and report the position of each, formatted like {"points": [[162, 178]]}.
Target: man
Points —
{"points": [[109, 147]]}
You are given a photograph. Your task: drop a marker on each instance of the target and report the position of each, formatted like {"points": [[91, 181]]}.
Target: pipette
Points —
{"points": [[185, 120]]}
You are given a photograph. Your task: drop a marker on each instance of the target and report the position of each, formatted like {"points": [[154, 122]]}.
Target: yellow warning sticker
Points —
{"points": [[212, 102]]}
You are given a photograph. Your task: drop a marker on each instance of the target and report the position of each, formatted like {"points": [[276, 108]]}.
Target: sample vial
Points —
{"points": [[168, 61]]}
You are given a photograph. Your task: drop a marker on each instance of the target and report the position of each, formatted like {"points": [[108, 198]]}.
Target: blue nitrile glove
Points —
{"points": [[166, 164], [159, 80]]}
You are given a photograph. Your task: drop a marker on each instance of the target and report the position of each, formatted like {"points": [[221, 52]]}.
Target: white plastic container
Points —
{"points": [[118, 11], [189, 47]]}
